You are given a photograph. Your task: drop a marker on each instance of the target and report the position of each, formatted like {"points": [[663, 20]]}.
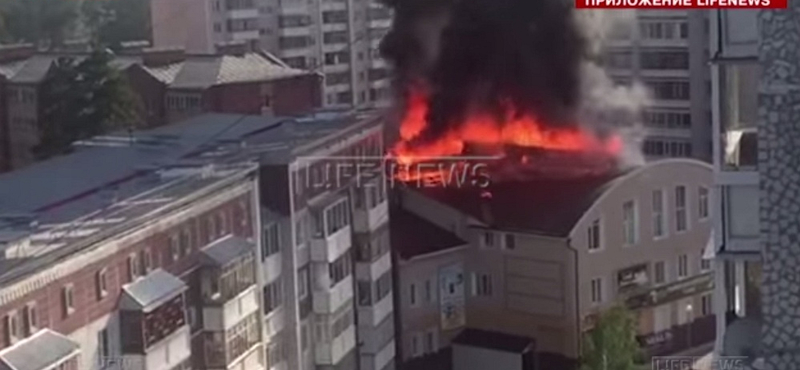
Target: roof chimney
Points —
{"points": [[235, 48], [162, 56], [16, 52]]}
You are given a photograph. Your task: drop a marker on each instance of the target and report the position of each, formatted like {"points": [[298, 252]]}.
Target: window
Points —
{"points": [[133, 267], [273, 296], [12, 327], [681, 217], [185, 242], [622, 60], [659, 272], [658, 214], [667, 148], [302, 283], [300, 226], [341, 268], [428, 291], [683, 266], [511, 241], [335, 37], [364, 293], [147, 258], [629, 222], [175, 248], [337, 217], [222, 224], [412, 295], [597, 290], [488, 239], [67, 300], [705, 263], [430, 342], [416, 347], [594, 235], [270, 244], [702, 200], [101, 284], [102, 347], [706, 307], [334, 16], [669, 90], [483, 284], [30, 318], [667, 119]]}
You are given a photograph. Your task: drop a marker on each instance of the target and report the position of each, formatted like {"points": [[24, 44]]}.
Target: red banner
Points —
{"points": [[681, 4]]}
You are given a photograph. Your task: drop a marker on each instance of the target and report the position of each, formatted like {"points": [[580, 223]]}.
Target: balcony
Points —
{"points": [[738, 118], [243, 13], [374, 339], [331, 352], [372, 316], [329, 300], [236, 345], [153, 315], [380, 359], [217, 318], [44, 350], [374, 269], [227, 270], [330, 247], [373, 213]]}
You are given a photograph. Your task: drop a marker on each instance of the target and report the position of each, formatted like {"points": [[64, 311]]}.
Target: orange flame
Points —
{"points": [[483, 129]]}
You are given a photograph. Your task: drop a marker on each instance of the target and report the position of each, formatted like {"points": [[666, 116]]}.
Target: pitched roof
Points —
{"points": [[149, 291], [29, 354], [413, 236], [547, 206]]}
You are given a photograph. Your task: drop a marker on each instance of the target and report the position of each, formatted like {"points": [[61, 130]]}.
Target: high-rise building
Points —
{"points": [[336, 37], [667, 51]]}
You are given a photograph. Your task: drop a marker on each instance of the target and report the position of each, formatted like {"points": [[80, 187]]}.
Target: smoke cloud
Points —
{"points": [[539, 56]]}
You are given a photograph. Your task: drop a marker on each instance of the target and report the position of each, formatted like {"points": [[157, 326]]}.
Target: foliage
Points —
{"points": [[46, 23], [81, 99], [612, 344]]}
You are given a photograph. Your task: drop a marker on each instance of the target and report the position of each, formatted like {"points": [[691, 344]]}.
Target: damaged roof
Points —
{"points": [[546, 206], [413, 236]]}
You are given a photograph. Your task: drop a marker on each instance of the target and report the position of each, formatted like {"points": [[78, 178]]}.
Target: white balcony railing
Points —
{"points": [[369, 220], [371, 316], [221, 318], [179, 344], [330, 300], [329, 248], [372, 271], [332, 352], [245, 35]]}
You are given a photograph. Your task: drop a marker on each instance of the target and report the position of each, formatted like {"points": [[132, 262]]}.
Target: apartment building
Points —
{"points": [[106, 266], [541, 257], [667, 51], [338, 38], [324, 232], [171, 86]]}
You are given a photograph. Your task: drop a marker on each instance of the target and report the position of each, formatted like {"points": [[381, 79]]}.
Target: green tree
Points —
{"points": [[46, 23], [612, 344], [81, 99]]}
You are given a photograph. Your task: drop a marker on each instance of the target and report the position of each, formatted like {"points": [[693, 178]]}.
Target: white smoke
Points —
{"points": [[606, 104]]}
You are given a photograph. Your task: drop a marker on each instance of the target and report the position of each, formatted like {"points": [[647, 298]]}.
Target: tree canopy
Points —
{"points": [[46, 23], [612, 344], [81, 99]]}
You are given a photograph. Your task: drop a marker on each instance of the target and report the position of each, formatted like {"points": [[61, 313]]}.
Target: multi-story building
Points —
{"points": [[540, 258], [667, 51], [171, 86], [105, 265], [338, 38]]}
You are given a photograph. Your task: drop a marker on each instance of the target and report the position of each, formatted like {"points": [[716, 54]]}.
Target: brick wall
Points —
{"points": [[88, 307], [292, 96]]}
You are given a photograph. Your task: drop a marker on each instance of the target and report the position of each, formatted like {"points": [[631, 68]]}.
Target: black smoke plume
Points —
{"points": [[481, 55]]}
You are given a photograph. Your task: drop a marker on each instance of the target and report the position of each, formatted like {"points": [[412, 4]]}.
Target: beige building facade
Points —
{"points": [[540, 258]]}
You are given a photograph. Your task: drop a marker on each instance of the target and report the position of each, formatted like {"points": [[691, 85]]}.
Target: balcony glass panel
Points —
{"points": [[222, 285], [742, 215], [739, 116]]}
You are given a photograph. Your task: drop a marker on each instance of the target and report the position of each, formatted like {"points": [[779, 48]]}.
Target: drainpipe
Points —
{"points": [[578, 332]]}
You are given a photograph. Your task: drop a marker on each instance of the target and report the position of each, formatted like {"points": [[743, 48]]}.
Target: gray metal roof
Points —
{"points": [[156, 287], [227, 250], [42, 350], [197, 73]]}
